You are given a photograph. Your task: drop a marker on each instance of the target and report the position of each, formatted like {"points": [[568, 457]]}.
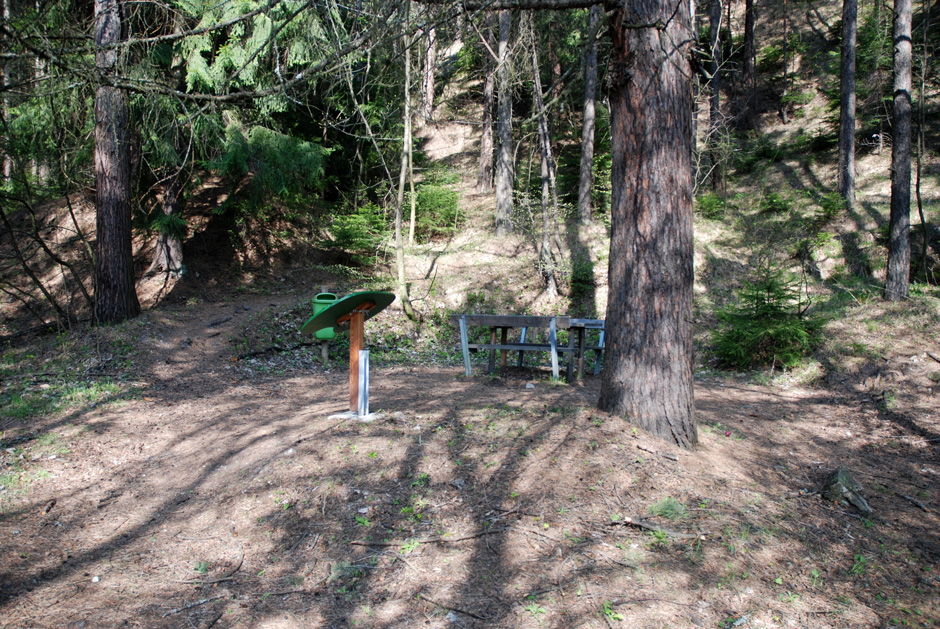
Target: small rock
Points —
{"points": [[95, 579], [529, 385], [841, 487], [458, 483], [451, 617]]}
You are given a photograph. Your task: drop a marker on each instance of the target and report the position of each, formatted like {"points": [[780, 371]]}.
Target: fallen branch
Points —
{"points": [[916, 503], [450, 607], [173, 612], [430, 540], [934, 356], [640, 524]]}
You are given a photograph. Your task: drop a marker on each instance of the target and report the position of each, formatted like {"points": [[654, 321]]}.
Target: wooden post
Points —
{"points": [[356, 342], [502, 353]]}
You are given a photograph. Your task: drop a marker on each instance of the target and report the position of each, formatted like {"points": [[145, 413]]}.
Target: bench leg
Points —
{"points": [[464, 345], [569, 370], [492, 364], [600, 355], [524, 330], [580, 352], [553, 347]]}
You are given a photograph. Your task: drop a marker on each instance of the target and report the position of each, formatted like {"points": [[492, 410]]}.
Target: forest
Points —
{"points": [[746, 192]]}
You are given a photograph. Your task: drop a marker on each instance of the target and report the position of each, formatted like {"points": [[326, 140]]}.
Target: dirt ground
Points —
{"points": [[209, 492]]}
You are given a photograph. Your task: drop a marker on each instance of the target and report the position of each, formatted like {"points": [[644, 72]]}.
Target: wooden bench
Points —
{"points": [[500, 325]]}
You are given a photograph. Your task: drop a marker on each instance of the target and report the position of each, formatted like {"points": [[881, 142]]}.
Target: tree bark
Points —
{"points": [[647, 376], [168, 251], [714, 114], [7, 158], [847, 103], [586, 180], [786, 64], [749, 66], [504, 165], [430, 68], [546, 258], [899, 236], [405, 157], [485, 173], [115, 296]]}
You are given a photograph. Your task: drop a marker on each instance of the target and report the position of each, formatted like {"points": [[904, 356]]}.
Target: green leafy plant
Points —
{"points": [[668, 508], [437, 209], [610, 613], [765, 326], [359, 232], [711, 206]]}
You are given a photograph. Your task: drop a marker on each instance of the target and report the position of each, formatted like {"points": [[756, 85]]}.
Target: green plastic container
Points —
{"points": [[320, 303]]}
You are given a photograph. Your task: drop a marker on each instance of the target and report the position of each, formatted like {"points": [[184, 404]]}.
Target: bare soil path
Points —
{"points": [[219, 494]]}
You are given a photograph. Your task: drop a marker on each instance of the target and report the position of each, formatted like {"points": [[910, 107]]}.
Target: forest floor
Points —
{"points": [[182, 487], [182, 469]]}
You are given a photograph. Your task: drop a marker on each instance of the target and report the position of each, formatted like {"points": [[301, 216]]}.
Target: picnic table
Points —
{"points": [[501, 325]]}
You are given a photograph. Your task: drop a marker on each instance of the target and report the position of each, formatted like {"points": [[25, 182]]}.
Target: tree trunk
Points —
{"points": [[586, 180], [7, 158], [647, 376], [485, 174], [430, 68], [115, 296], [546, 258], [899, 236], [786, 64], [847, 103], [405, 156], [504, 174], [168, 251], [714, 112], [749, 66]]}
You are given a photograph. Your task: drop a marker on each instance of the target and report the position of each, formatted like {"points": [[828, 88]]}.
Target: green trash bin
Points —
{"points": [[320, 303]]}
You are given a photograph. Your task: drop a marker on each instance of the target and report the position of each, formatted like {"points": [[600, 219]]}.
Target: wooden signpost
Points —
{"points": [[352, 311]]}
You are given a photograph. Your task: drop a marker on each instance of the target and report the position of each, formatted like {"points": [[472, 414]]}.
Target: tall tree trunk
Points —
{"points": [[749, 66], [115, 296], [485, 173], [921, 123], [504, 165], [403, 173], [714, 112], [168, 251], [847, 103], [647, 376], [586, 180], [7, 158], [786, 64], [899, 236], [546, 257], [430, 67]]}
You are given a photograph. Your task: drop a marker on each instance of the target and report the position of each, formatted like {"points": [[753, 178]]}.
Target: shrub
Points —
{"points": [[711, 206], [359, 232], [765, 326], [437, 210]]}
